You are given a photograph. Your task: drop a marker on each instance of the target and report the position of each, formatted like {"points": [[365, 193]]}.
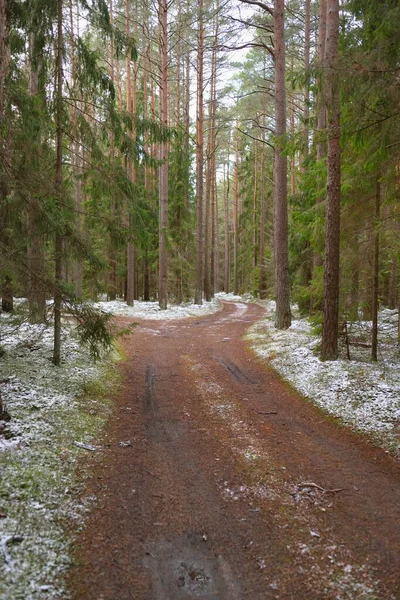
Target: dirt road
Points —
{"points": [[221, 483]]}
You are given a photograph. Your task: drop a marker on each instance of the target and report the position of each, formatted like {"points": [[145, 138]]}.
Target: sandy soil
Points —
{"points": [[219, 482]]}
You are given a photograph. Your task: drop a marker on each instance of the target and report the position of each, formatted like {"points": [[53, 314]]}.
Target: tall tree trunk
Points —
{"points": [[76, 148], [329, 349], [7, 300], [262, 284], [199, 157], [207, 217], [306, 108], [375, 290], [59, 190], [321, 112], [293, 156], [282, 286], [112, 255], [227, 261], [130, 251], [209, 236], [215, 233], [163, 226], [236, 216], [255, 203], [35, 255], [321, 100]]}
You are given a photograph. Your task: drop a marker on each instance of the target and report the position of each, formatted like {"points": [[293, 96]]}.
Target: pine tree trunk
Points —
{"points": [[329, 349], [7, 300], [255, 202], [163, 225], [58, 245], [130, 252], [306, 108], [262, 284], [215, 233], [199, 158], [207, 216], [321, 108], [282, 286], [112, 256], [227, 261], [375, 289], [236, 216]]}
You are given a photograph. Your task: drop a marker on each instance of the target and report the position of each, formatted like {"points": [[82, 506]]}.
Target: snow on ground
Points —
{"points": [[151, 310], [363, 394], [38, 455]]}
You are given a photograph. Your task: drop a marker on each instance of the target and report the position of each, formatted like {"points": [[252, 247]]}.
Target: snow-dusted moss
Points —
{"points": [[52, 409]]}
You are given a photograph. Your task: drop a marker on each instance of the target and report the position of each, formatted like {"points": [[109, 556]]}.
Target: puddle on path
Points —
{"points": [[185, 568]]}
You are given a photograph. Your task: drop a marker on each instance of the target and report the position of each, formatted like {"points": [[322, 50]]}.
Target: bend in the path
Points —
{"points": [[209, 499]]}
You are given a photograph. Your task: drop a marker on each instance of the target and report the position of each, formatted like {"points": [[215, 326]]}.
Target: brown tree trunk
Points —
{"points": [[262, 284], [236, 216], [282, 286], [375, 289], [7, 300], [199, 157], [209, 281], [163, 226], [255, 202], [306, 108], [130, 251], [112, 255], [59, 190], [227, 261], [329, 349], [321, 101]]}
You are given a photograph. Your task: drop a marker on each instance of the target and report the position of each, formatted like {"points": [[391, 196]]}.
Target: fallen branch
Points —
{"points": [[271, 412], [85, 446], [310, 484]]}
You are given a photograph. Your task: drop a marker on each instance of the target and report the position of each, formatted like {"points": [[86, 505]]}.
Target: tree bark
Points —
{"points": [[130, 251], [199, 157], [329, 349], [321, 108], [262, 284], [375, 289], [163, 225], [227, 262], [112, 255], [236, 216], [282, 287], [59, 190], [306, 109]]}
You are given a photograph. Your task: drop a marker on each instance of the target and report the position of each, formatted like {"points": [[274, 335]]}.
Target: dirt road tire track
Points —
{"points": [[208, 501]]}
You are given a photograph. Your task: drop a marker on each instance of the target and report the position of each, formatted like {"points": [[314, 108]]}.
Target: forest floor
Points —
{"points": [[217, 481]]}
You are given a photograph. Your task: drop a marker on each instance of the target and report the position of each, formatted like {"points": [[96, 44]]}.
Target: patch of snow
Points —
{"points": [[363, 394], [152, 311]]}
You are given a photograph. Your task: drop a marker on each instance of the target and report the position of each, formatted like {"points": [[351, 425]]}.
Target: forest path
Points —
{"points": [[209, 498]]}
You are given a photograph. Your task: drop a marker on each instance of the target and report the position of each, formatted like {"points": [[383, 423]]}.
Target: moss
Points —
{"points": [[40, 487]]}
